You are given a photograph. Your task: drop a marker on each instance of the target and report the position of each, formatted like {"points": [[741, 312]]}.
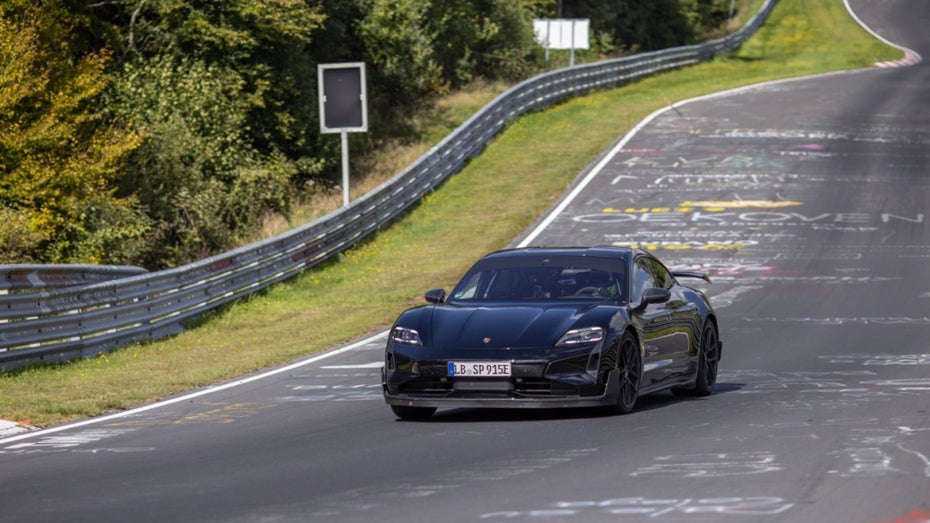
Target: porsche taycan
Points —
{"points": [[553, 327]]}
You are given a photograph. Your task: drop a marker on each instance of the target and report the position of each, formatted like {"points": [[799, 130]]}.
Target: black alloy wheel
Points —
{"points": [[630, 366], [708, 361]]}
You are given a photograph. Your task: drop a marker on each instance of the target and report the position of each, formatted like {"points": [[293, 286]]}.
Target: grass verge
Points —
{"points": [[495, 198]]}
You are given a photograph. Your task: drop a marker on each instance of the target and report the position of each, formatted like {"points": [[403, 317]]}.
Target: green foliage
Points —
{"points": [[59, 158], [259, 189], [636, 26], [264, 46], [196, 172], [399, 46], [223, 94], [158, 132], [489, 39]]}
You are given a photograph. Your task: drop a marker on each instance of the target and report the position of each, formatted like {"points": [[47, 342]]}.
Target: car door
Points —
{"points": [[679, 340], [655, 321]]}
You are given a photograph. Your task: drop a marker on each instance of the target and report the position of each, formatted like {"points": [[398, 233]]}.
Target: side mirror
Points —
{"points": [[436, 296], [655, 295]]}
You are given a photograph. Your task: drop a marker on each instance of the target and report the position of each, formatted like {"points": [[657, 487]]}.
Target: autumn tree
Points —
{"points": [[59, 158]]}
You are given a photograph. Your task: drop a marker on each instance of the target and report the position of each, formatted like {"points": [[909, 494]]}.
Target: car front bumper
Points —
{"points": [[497, 395]]}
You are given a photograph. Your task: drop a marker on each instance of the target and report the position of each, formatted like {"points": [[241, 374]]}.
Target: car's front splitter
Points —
{"points": [[462, 401]]}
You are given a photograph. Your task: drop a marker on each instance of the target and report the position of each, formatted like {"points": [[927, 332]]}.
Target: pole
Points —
{"points": [[730, 18], [345, 168], [548, 39], [572, 60]]}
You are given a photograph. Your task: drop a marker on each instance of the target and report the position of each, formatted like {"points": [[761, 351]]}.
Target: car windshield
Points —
{"points": [[540, 282]]}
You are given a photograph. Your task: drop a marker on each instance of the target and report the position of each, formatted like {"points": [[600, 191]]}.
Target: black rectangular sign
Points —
{"points": [[342, 98]]}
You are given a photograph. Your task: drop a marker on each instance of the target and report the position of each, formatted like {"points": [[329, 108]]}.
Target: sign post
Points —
{"points": [[730, 18], [343, 107]]}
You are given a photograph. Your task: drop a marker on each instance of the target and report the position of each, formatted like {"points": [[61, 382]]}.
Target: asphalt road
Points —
{"points": [[807, 200]]}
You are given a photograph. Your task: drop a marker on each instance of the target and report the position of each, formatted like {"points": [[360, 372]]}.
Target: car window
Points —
{"points": [[540, 283], [508, 284], [643, 278], [661, 275], [469, 287]]}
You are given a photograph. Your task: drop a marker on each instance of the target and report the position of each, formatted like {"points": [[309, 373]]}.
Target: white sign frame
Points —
{"points": [[562, 33]]}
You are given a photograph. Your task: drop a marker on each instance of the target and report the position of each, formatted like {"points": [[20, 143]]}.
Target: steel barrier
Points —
{"points": [[49, 276], [84, 319]]}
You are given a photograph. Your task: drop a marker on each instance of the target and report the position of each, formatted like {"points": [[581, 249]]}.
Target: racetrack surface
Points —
{"points": [[806, 200]]}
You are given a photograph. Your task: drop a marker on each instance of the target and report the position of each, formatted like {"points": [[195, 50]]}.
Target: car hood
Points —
{"points": [[505, 327]]}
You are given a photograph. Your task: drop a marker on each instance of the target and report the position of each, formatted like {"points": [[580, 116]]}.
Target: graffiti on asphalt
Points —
{"points": [[639, 507]]}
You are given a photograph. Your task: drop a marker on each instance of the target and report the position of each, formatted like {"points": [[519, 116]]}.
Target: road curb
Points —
{"points": [[11, 428]]}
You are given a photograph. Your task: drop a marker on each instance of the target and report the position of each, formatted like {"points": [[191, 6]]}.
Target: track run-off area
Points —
{"points": [[806, 201]]}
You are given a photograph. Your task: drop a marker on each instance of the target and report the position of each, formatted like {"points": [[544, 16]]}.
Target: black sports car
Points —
{"points": [[553, 327]]}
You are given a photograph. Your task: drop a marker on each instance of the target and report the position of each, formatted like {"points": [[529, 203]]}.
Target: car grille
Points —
{"points": [[460, 387], [527, 381], [533, 379]]}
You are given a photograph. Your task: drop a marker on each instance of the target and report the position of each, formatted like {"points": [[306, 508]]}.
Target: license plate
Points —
{"points": [[479, 368]]}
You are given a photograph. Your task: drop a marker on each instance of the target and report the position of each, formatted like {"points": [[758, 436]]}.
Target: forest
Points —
{"points": [[159, 132]]}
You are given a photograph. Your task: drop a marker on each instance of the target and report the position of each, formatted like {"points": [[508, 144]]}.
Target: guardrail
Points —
{"points": [[61, 324], [31, 277]]}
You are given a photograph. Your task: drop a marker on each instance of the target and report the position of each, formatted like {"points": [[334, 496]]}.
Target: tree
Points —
{"points": [[223, 94], [646, 26], [399, 46], [491, 39], [59, 158], [159, 132]]}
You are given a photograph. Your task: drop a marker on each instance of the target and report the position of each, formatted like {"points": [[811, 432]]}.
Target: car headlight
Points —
{"points": [[405, 336], [581, 336]]}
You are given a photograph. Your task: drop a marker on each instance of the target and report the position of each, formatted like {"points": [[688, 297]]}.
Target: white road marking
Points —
{"points": [[910, 56], [372, 365], [188, 397]]}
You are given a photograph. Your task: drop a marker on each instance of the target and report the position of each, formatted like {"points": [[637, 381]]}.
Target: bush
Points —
{"points": [[60, 159]]}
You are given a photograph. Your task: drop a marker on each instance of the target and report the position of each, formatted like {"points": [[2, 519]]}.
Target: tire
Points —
{"points": [[413, 413], [708, 361], [630, 366]]}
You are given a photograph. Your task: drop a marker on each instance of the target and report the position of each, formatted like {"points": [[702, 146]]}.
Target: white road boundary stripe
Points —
{"points": [[526, 241], [911, 57], [372, 365], [188, 397]]}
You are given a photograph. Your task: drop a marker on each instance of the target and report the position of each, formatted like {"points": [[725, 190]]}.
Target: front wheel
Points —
{"points": [[413, 413], [630, 367]]}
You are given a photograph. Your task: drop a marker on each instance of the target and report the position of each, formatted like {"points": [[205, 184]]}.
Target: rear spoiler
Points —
{"points": [[689, 274]]}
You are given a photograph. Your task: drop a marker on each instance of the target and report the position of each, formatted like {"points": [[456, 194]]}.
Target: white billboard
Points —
{"points": [[562, 33]]}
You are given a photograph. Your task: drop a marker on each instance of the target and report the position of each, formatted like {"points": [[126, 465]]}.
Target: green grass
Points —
{"points": [[495, 198]]}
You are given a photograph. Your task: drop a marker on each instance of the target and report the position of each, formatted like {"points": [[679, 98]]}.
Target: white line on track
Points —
{"points": [[372, 365], [911, 57], [204, 392]]}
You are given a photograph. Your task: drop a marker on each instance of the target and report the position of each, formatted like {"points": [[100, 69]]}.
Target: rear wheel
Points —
{"points": [[708, 361], [630, 367], [413, 413]]}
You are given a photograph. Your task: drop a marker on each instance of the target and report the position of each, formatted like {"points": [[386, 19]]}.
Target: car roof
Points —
{"points": [[600, 251]]}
